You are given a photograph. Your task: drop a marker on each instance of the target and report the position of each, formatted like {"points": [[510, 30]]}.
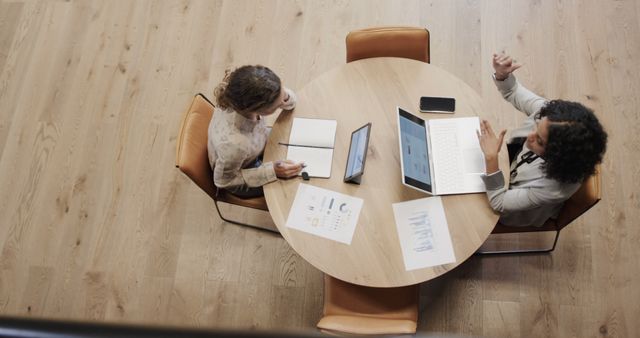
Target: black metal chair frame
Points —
{"points": [[523, 251], [215, 202]]}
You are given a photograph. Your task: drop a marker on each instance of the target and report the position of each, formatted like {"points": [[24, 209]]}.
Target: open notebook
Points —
{"points": [[311, 141]]}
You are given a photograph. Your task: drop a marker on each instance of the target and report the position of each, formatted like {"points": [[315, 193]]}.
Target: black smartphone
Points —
{"points": [[444, 105]]}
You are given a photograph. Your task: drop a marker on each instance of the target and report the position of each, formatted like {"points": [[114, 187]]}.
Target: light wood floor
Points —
{"points": [[97, 224]]}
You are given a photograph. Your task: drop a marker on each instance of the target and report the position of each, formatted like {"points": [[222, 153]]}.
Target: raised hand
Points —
{"points": [[504, 65]]}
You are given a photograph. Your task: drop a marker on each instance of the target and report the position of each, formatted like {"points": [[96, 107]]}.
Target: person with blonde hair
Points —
{"points": [[238, 133]]}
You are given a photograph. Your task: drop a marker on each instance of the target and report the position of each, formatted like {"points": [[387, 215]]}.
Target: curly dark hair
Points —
{"points": [[248, 88], [576, 141]]}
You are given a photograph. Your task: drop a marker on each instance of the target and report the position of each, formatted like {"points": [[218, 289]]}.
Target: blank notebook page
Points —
{"points": [[313, 133]]}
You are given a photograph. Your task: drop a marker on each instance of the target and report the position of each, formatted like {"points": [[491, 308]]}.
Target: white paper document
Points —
{"points": [[324, 213], [424, 233], [311, 141]]}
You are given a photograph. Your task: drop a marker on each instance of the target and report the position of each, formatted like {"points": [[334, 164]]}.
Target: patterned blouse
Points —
{"points": [[234, 145]]}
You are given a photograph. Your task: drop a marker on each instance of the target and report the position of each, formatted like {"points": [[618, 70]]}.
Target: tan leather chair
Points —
{"points": [[354, 309], [192, 158], [582, 200], [398, 41]]}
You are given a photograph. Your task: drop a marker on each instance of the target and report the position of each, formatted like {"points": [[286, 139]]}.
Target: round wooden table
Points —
{"points": [[368, 91]]}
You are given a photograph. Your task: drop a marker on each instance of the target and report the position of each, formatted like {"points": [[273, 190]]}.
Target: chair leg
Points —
{"points": [[527, 251], [240, 223]]}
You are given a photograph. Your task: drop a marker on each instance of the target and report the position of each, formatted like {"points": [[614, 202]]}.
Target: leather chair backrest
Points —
{"points": [[582, 200], [191, 150], [342, 298], [354, 309], [400, 41]]}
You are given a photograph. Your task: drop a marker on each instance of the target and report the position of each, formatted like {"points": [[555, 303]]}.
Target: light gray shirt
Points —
{"points": [[531, 198]]}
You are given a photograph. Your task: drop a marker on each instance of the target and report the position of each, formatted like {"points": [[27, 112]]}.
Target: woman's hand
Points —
{"points": [[287, 168], [490, 145], [290, 99], [504, 65]]}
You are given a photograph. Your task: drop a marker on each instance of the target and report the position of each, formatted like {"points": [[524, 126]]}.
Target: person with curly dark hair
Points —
{"points": [[238, 133], [552, 153]]}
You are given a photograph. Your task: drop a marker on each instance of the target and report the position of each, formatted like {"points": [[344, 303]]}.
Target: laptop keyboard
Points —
{"points": [[447, 158]]}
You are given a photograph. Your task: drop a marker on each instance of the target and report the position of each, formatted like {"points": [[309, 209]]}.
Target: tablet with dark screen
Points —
{"points": [[357, 154]]}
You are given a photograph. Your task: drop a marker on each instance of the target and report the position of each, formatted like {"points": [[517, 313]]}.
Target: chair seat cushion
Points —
{"points": [[366, 325], [256, 202]]}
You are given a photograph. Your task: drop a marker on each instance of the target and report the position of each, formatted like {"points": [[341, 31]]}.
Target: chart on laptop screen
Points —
{"points": [[440, 156]]}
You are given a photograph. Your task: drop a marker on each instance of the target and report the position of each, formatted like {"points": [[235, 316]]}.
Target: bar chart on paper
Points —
{"points": [[423, 233]]}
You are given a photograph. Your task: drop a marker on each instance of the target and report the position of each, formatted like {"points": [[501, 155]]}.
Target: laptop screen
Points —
{"points": [[415, 152]]}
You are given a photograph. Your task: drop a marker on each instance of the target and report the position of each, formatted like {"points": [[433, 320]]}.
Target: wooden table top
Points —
{"points": [[368, 91]]}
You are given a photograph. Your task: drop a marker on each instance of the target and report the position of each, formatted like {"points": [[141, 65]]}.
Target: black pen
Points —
{"points": [[300, 145]]}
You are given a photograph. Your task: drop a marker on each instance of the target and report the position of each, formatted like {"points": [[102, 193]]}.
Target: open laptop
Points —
{"points": [[440, 156]]}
